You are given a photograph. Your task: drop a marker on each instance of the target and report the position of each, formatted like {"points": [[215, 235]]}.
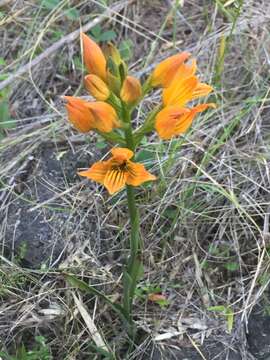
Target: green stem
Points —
{"points": [[134, 266]]}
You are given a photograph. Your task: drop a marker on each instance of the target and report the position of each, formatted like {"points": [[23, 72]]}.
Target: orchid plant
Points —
{"points": [[117, 94]]}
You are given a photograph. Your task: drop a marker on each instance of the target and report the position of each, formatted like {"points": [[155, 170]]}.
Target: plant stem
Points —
{"points": [[134, 266]]}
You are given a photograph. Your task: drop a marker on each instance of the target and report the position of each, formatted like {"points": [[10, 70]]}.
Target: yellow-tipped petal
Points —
{"points": [[97, 171], [121, 154], [131, 90], [164, 72], [97, 87], [137, 174], [174, 120], [202, 90], [180, 93], [79, 114], [94, 58]]}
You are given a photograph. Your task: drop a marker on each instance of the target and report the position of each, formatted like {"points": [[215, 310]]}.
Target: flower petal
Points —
{"points": [[121, 154], [168, 119], [94, 58], [184, 71], [78, 114], [179, 93], [166, 70], [115, 180], [137, 174], [105, 117], [97, 171], [201, 90]]}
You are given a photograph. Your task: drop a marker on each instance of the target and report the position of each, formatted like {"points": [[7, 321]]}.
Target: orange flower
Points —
{"points": [[104, 115], [97, 87], [174, 120], [185, 71], [86, 116], [118, 171], [131, 90], [78, 114], [94, 58], [164, 72], [183, 90]]}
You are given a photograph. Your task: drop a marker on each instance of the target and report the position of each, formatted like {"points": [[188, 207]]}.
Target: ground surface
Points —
{"points": [[205, 223]]}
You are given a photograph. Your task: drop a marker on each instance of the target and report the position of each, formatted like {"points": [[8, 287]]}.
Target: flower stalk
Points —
{"points": [[117, 94], [134, 267]]}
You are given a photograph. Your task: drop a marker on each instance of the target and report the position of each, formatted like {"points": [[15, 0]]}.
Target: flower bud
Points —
{"points": [[97, 87], [131, 90], [164, 72], [94, 58], [110, 51]]}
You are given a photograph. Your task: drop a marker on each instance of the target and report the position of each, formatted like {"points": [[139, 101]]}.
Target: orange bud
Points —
{"points": [[131, 90], [94, 58], [164, 72], [78, 114], [97, 87]]}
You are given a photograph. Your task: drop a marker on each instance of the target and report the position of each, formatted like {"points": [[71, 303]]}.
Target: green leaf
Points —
{"points": [[230, 319], [107, 36], [2, 135], [145, 155], [218, 308], [232, 266], [72, 14], [2, 61], [95, 32], [126, 49], [5, 120], [49, 4], [75, 282], [101, 145]]}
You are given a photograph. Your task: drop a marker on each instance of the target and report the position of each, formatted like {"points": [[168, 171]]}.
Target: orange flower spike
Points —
{"points": [[131, 90], [104, 115], [78, 114], [97, 87], [174, 120], [94, 58], [164, 72], [118, 171]]}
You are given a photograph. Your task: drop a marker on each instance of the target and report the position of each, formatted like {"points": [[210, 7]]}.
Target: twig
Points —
{"points": [[64, 40]]}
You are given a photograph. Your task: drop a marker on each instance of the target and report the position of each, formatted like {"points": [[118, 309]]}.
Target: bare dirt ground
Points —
{"points": [[205, 223]]}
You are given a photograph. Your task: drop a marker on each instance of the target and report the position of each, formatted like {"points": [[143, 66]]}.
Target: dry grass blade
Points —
{"points": [[93, 330]]}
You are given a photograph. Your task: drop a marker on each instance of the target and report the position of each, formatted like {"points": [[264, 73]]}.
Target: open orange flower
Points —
{"points": [[174, 120], [118, 171], [164, 72], [94, 58], [86, 116], [183, 90]]}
